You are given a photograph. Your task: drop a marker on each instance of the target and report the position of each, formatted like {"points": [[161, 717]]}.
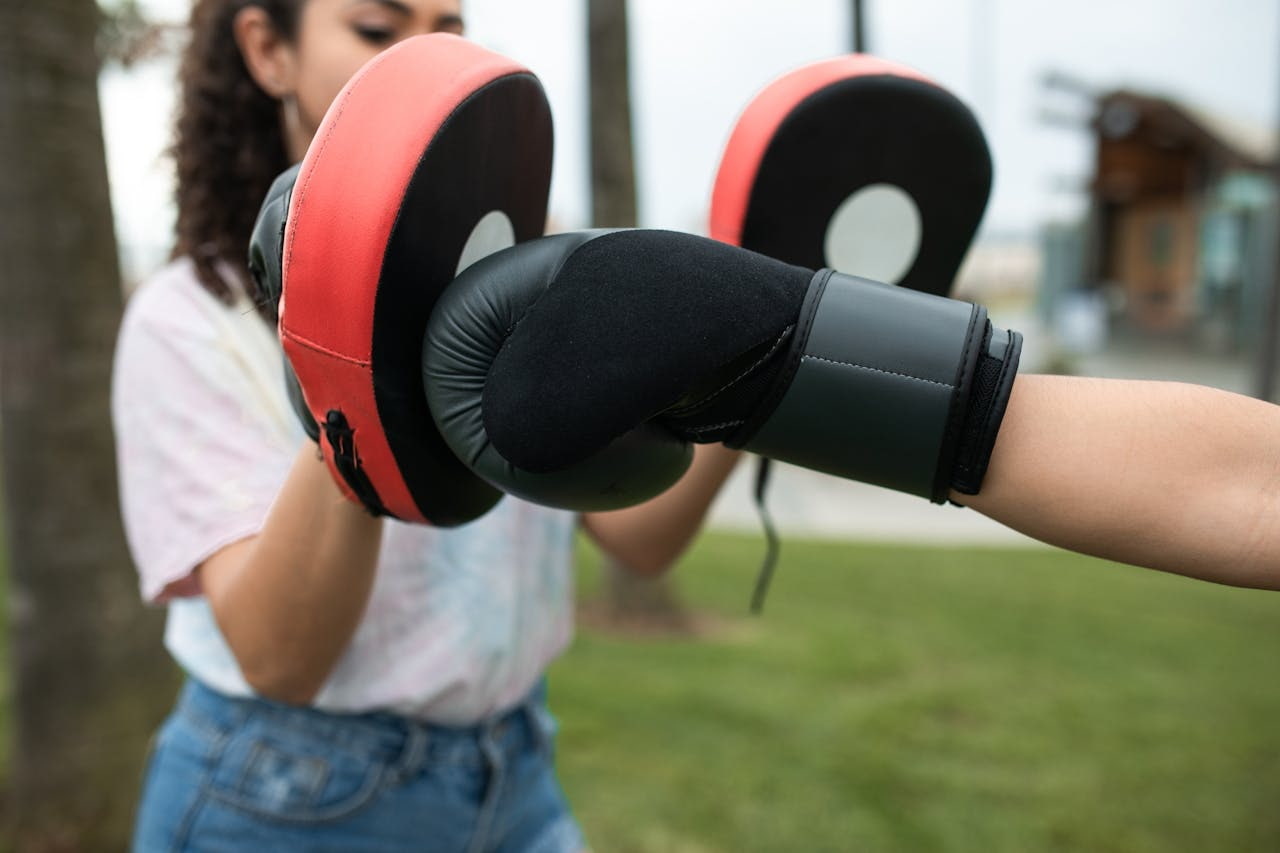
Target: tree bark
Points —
{"points": [[91, 680], [613, 179], [631, 600]]}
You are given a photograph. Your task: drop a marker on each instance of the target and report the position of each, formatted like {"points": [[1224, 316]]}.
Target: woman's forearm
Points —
{"points": [[1175, 477], [289, 599], [647, 538]]}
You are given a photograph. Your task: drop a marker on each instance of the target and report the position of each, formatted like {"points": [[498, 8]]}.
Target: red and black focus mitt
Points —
{"points": [[859, 165], [435, 154]]}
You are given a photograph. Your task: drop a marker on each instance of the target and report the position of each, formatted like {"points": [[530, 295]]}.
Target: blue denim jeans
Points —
{"points": [[252, 775]]}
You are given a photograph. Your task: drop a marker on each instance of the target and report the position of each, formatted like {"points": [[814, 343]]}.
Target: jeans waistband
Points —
{"points": [[375, 734]]}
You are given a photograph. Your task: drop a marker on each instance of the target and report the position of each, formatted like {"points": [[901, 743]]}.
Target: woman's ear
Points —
{"points": [[268, 56]]}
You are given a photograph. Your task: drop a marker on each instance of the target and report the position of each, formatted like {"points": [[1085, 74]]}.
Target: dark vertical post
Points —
{"points": [[1269, 346], [859, 27], [631, 598], [613, 182]]}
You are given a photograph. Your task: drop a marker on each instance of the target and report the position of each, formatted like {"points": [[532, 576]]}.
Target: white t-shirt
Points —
{"points": [[461, 622]]}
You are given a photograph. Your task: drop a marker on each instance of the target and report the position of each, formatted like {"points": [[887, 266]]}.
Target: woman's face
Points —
{"points": [[336, 37]]}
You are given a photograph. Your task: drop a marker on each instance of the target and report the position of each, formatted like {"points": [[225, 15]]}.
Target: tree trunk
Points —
{"points": [[647, 605], [91, 680], [631, 600], [613, 177]]}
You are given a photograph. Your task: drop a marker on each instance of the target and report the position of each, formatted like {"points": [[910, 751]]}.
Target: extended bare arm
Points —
{"points": [[1174, 477]]}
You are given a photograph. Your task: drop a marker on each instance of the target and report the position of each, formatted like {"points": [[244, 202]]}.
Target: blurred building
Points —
{"points": [[1178, 239]]}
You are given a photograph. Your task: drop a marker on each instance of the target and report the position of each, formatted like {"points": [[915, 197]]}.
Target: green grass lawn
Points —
{"points": [[917, 699]]}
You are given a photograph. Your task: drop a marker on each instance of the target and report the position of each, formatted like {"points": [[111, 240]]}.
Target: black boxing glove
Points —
{"points": [[574, 370]]}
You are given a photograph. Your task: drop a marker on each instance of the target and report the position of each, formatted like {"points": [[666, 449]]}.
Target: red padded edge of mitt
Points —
{"points": [[759, 122], [341, 216]]}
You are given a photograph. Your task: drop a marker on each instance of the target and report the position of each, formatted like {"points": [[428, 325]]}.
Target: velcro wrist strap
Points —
{"points": [[879, 386], [992, 385]]}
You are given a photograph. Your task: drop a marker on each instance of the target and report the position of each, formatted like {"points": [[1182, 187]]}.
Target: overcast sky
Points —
{"points": [[696, 63]]}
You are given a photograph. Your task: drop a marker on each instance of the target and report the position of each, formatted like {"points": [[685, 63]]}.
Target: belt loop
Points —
{"points": [[414, 752], [535, 713], [495, 761]]}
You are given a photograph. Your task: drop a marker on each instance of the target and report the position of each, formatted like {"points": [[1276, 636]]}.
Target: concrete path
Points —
{"points": [[809, 504]]}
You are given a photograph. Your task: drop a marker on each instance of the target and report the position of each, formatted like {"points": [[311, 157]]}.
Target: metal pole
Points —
{"points": [[859, 30], [1270, 344]]}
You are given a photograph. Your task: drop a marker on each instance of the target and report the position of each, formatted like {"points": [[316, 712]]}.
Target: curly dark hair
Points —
{"points": [[228, 145]]}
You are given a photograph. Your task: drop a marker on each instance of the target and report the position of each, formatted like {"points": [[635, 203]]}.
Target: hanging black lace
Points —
{"points": [[772, 543]]}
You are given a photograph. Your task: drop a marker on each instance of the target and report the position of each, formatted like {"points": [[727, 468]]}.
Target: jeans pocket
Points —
{"points": [[292, 777]]}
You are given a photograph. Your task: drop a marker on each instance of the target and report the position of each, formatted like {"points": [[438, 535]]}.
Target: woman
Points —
{"points": [[354, 683]]}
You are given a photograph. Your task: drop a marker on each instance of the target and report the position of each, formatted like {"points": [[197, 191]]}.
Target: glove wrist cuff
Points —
{"points": [[992, 385]]}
